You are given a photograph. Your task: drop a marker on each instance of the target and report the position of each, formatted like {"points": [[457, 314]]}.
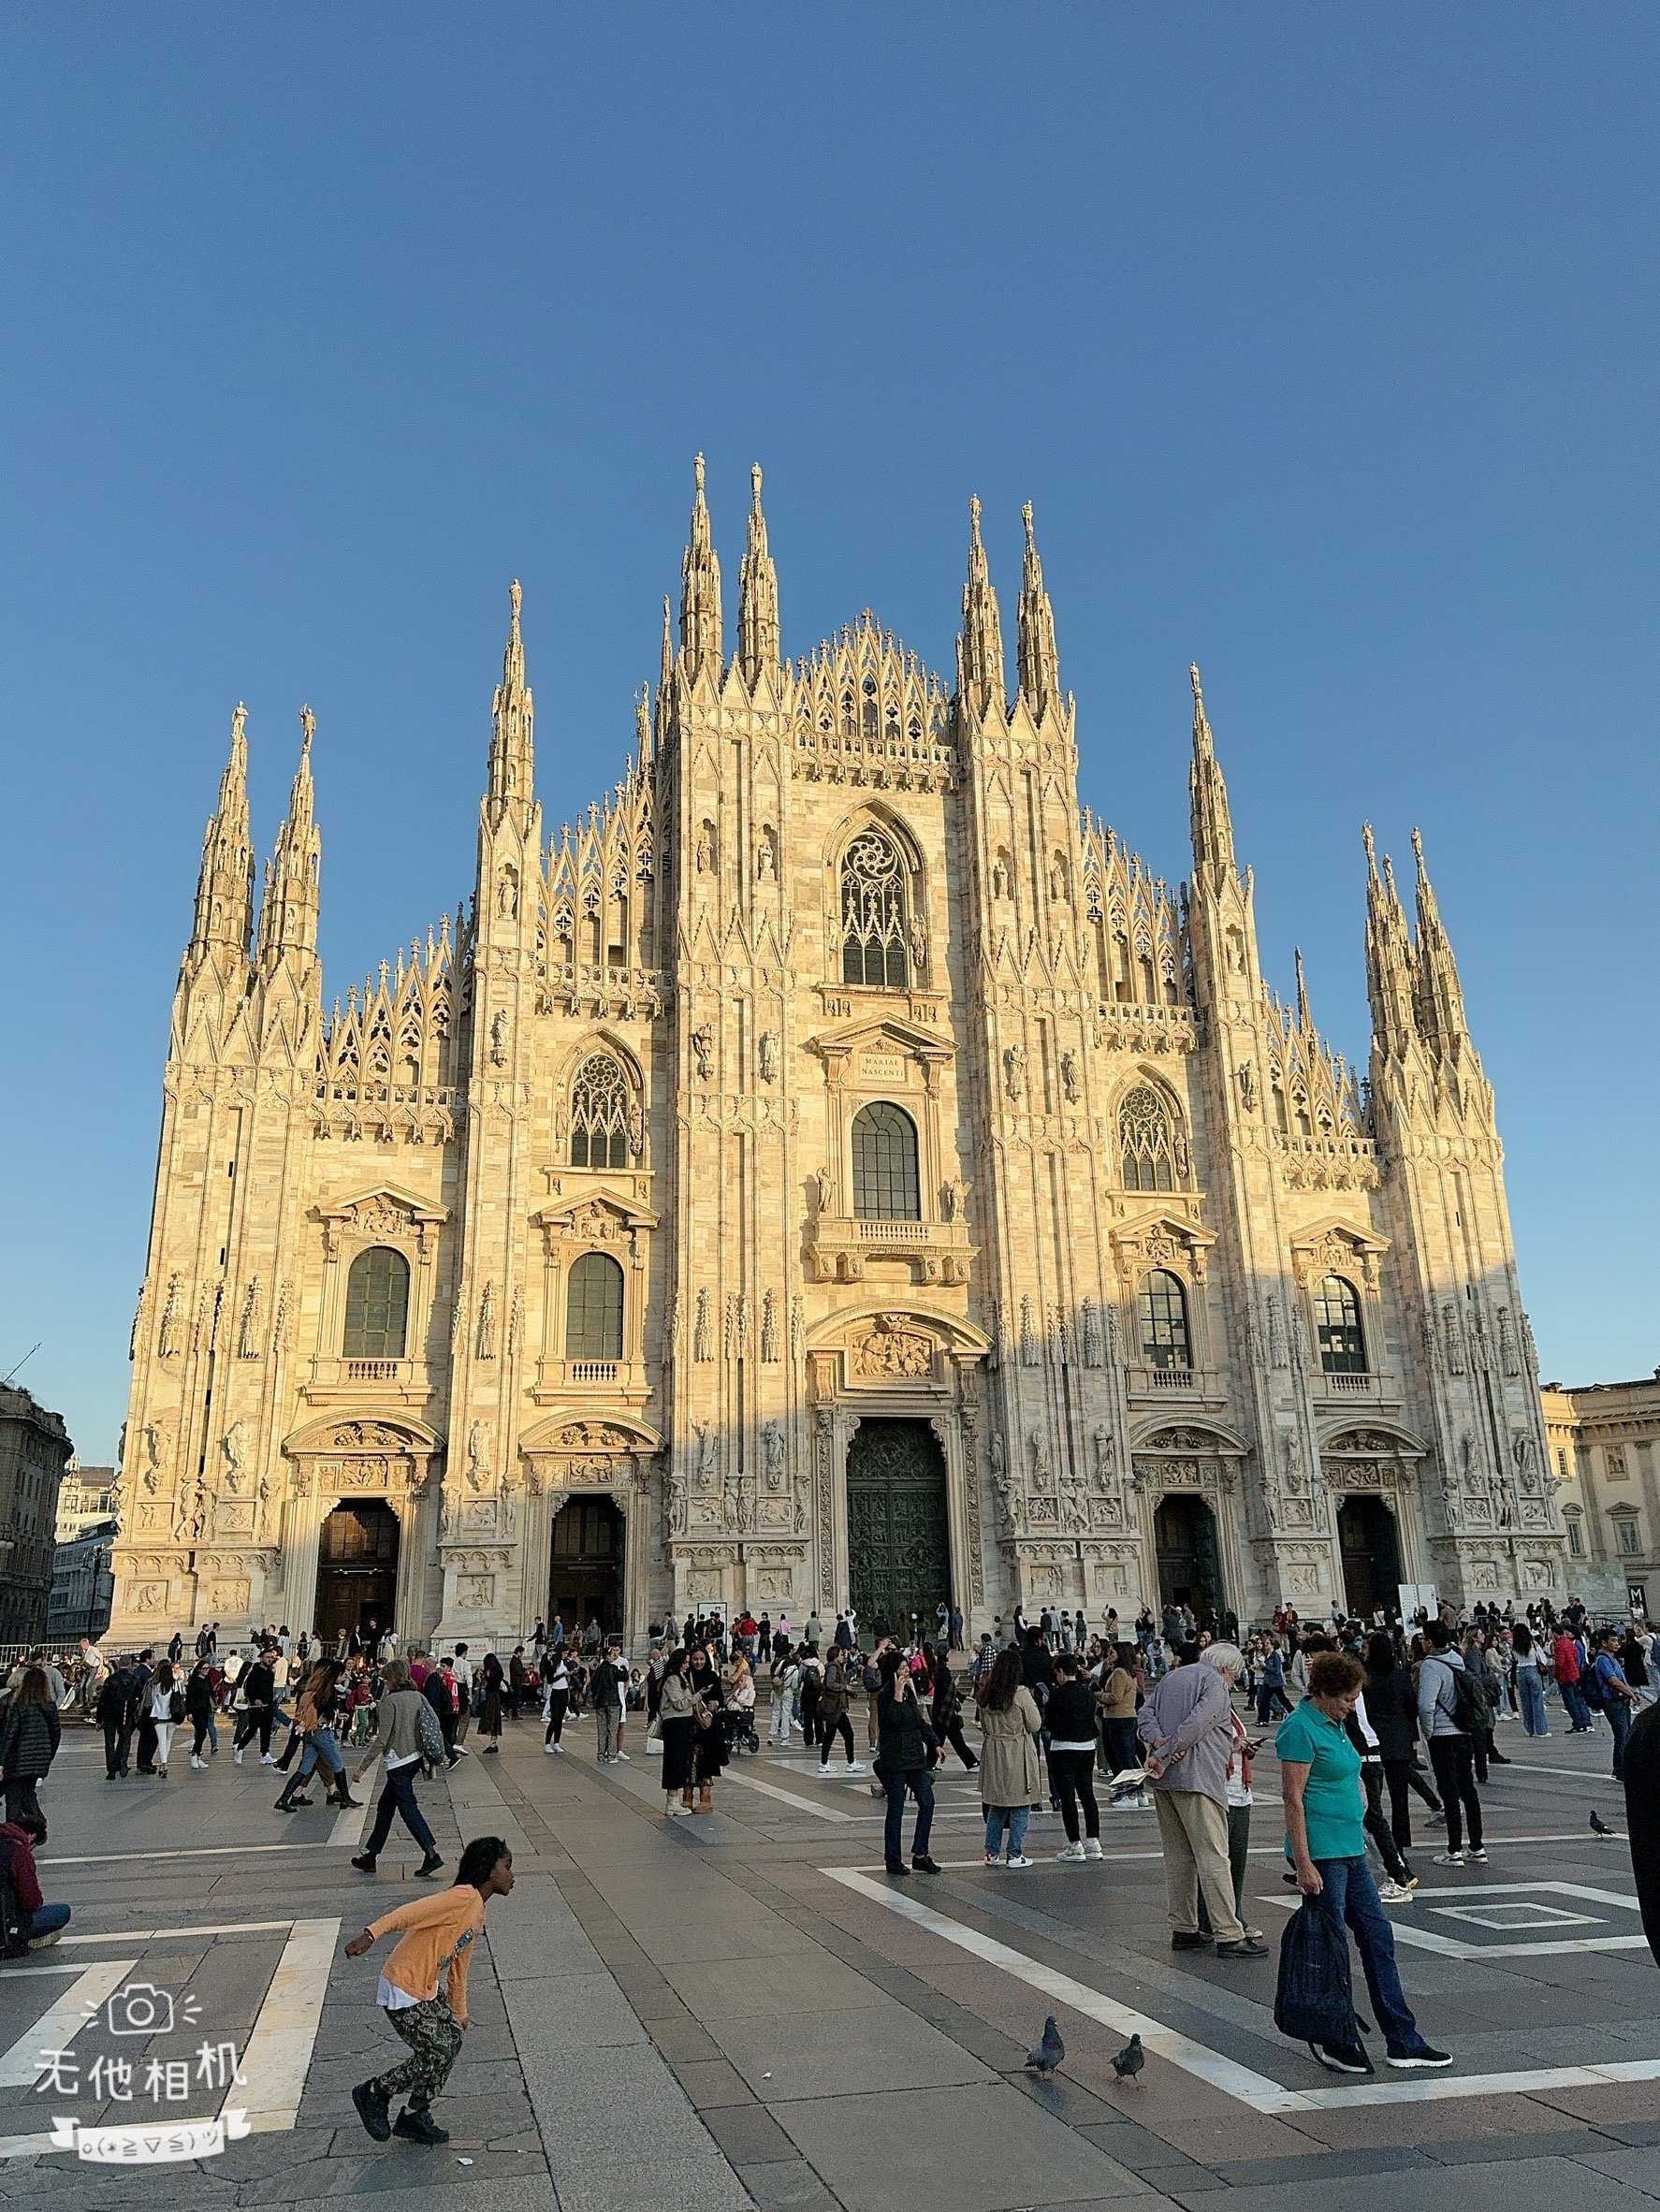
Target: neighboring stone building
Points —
{"points": [[86, 1495], [1605, 1453], [835, 1168], [82, 1584], [33, 1449]]}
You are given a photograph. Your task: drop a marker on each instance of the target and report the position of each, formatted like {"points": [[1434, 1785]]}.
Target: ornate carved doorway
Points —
{"points": [[585, 1576], [358, 1571], [899, 1530], [1370, 1544], [1189, 1570]]}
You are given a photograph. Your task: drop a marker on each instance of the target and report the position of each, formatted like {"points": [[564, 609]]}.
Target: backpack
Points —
{"points": [[429, 1735], [1469, 1707], [1591, 1689], [1314, 2001]]}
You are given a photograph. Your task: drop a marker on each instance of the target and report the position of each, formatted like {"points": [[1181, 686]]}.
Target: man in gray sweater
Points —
{"points": [[1186, 1726]]}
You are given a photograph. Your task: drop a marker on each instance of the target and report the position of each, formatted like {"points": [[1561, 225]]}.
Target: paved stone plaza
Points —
{"points": [[707, 2014]]}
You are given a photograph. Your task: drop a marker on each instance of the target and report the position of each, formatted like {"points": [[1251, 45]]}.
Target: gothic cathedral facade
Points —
{"points": [[836, 1171]]}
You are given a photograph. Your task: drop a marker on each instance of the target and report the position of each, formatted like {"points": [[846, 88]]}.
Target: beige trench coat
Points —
{"points": [[1009, 1752]]}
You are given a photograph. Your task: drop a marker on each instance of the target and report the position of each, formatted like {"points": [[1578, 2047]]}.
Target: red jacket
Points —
{"points": [[25, 1880], [1564, 1657]]}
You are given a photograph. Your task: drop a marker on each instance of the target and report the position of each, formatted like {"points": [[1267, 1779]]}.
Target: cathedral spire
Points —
{"points": [[1213, 824], [288, 912], [225, 888], [513, 751], [1037, 658], [665, 675], [1441, 998], [979, 650], [1389, 957], [702, 644], [758, 596], [1304, 1019]]}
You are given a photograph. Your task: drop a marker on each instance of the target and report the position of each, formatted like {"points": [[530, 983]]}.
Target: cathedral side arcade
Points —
{"points": [[834, 1169]]}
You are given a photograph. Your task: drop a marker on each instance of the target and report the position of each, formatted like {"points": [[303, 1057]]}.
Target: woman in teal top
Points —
{"points": [[1326, 1843]]}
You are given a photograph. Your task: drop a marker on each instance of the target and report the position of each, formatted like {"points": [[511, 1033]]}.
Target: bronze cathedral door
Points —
{"points": [[898, 1536]]}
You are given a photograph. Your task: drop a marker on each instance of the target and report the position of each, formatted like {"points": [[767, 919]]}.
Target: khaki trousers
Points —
{"points": [[1193, 1829]]}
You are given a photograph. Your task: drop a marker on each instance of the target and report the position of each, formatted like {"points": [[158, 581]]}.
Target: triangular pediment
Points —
{"points": [[595, 1205], [380, 1199], [889, 1031]]}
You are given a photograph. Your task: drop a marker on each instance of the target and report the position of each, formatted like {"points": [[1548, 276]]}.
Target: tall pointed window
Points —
{"points": [[377, 1305], [873, 929], [599, 1115], [1337, 1328], [593, 1309], [885, 1181], [1153, 1151], [1161, 1306]]}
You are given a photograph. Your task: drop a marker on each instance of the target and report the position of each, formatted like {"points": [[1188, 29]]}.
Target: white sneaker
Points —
{"points": [[200, 1764], [857, 1766], [1394, 1893], [268, 1758], [237, 1757], [623, 1759], [1092, 1847], [1074, 1854], [1017, 1866], [1449, 1858]]}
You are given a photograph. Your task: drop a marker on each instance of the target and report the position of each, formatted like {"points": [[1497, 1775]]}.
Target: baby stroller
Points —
{"points": [[740, 1726]]}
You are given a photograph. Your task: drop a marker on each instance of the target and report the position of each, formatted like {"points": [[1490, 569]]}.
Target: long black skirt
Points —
{"points": [[678, 1768]]}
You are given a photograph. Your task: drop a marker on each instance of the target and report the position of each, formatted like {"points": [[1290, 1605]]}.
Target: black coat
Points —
{"points": [[906, 1743], [1392, 1707], [116, 1699], [29, 1737]]}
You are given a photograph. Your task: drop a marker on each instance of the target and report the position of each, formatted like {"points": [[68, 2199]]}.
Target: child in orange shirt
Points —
{"points": [[423, 1990]]}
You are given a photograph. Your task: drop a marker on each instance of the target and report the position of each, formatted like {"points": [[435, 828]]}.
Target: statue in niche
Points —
{"points": [[951, 1198], [1042, 1466], [1015, 1071], [507, 895], [1068, 1077], [498, 1038], [158, 1442], [1247, 1086], [477, 1455], [769, 1055], [705, 849], [1293, 1474], [1000, 877], [702, 1347], [1101, 1441], [703, 1053], [825, 1193], [708, 1453], [231, 1445], [772, 1455], [918, 950], [766, 857], [636, 1131], [674, 1498]]}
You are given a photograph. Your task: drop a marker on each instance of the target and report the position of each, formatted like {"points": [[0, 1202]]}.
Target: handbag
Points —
{"points": [[1314, 2001]]}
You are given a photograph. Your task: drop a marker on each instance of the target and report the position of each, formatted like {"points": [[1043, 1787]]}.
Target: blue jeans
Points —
{"points": [[920, 1785], [1351, 1895], [1619, 1713], [1577, 1710], [1013, 1818], [48, 1921], [1532, 1692], [397, 1796], [321, 1749]]}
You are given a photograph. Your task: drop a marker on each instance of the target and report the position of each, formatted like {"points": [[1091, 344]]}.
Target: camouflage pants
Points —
{"points": [[433, 2035]]}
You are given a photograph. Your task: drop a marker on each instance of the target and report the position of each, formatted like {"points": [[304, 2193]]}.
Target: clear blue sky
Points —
{"points": [[1322, 339]]}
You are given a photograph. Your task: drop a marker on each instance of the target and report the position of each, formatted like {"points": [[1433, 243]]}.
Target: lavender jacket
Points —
{"points": [[1187, 1722]]}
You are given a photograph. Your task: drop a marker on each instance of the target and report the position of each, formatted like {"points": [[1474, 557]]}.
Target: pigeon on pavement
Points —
{"points": [[1129, 2061], [1601, 1827], [1050, 2051]]}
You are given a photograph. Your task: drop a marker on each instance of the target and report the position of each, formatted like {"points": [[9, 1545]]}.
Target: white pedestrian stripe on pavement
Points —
{"points": [[1409, 1931], [22, 2066], [275, 2059], [770, 1789], [1260, 2091]]}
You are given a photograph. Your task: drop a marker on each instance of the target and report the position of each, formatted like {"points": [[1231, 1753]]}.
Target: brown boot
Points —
{"points": [[686, 1797], [706, 1798]]}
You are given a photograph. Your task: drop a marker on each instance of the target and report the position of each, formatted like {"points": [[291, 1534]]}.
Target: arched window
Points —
{"points": [[1337, 1327], [1151, 1150], [593, 1309], [599, 1115], [377, 1305], [873, 928], [1162, 1305], [885, 1183]]}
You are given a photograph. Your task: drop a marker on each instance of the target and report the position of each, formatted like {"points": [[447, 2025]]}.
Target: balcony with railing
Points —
{"points": [[1176, 1386], [1358, 1390], [617, 1382], [939, 1251], [378, 1381]]}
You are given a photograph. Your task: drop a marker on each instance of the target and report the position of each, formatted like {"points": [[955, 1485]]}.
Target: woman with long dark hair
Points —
{"points": [[490, 1703], [30, 1733], [423, 1993], [314, 1718], [677, 1725], [1009, 1722]]}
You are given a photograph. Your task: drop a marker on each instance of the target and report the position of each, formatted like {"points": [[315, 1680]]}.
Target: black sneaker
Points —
{"points": [[432, 1863], [1425, 2055], [1349, 2059], [364, 1863], [419, 2126], [372, 2110], [1190, 1940]]}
